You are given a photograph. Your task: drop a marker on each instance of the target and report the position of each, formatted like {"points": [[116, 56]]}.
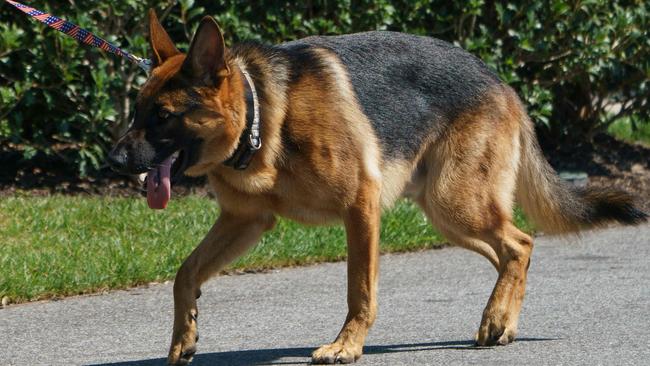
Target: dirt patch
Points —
{"points": [[608, 162]]}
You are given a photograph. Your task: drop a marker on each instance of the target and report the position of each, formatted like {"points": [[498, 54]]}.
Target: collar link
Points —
{"points": [[250, 140]]}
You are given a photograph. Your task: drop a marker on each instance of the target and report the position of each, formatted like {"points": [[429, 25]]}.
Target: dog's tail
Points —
{"points": [[555, 206]]}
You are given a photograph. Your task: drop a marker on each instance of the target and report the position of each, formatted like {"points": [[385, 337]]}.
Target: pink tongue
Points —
{"points": [[159, 187]]}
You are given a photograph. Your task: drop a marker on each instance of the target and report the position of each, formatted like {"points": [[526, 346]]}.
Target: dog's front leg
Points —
{"points": [[362, 222], [230, 236]]}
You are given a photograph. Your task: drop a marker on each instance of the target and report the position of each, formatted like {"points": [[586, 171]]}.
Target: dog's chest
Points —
{"points": [[306, 200], [301, 198]]}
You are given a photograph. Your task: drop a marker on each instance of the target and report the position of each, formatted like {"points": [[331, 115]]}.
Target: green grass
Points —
{"points": [[622, 129], [62, 245]]}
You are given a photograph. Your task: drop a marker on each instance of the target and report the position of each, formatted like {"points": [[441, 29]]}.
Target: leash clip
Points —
{"points": [[145, 64]]}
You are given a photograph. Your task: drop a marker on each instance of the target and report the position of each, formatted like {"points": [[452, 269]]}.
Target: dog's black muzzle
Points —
{"points": [[117, 159], [133, 154]]}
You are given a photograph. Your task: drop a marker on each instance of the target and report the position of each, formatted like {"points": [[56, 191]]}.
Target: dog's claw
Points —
{"points": [[493, 335], [184, 346], [186, 356], [189, 353], [335, 353]]}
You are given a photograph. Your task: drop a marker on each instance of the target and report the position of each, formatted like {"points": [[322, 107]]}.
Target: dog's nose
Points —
{"points": [[117, 159]]}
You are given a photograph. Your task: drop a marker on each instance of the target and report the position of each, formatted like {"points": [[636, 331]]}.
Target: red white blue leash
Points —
{"points": [[80, 34], [251, 139]]}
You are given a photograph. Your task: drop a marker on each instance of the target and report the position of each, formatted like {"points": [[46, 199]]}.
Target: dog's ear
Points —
{"points": [[161, 45], [205, 60]]}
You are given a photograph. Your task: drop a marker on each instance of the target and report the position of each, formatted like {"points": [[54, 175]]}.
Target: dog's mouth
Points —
{"points": [[159, 179]]}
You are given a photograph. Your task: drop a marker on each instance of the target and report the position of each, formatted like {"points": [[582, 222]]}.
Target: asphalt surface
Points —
{"points": [[588, 303]]}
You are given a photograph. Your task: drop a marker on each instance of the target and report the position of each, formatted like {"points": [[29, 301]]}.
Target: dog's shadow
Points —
{"points": [[275, 356]]}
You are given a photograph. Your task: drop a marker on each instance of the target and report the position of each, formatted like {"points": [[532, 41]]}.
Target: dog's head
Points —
{"points": [[187, 115]]}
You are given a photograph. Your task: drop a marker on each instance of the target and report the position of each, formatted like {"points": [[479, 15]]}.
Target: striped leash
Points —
{"points": [[80, 34]]}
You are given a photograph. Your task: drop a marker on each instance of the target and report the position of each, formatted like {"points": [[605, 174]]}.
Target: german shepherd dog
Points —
{"points": [[337, 128]]}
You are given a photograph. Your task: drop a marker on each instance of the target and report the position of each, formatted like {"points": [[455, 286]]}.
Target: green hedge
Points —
{"points": [[579, 65]]}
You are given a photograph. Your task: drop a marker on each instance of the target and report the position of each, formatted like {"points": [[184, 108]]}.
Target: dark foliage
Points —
{"points": [[579, 65]]}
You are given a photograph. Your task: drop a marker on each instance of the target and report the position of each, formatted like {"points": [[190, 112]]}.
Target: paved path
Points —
{"points": [[588, 303]]}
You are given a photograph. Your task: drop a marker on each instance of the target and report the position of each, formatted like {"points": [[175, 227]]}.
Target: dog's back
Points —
{"points": [[408, 86], [349, 124]]}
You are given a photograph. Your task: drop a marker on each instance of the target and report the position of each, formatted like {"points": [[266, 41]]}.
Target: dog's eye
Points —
{"points": [[164, 114]]}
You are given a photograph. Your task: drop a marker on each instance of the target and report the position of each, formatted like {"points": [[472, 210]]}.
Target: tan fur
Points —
{"points": [[224, 242], [535, 183], [260, 176], [320, 161], [466, 188], [463, 179], [396, 174], [335, 176]]}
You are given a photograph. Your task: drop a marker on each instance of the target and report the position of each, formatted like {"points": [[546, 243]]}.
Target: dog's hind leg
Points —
{"points": [[362, 222], [500, 317], [470, 185], [457, 238], [508, 249], [230, 237]]}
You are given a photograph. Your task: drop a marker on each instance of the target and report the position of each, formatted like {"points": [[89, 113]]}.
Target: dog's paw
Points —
{"points": [[495, 333], [183, 345], [336, 353], [184, 358], [181, 353]]}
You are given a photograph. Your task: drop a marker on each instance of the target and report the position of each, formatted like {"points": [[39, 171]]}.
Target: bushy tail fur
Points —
{"points": [[556, 206]]}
